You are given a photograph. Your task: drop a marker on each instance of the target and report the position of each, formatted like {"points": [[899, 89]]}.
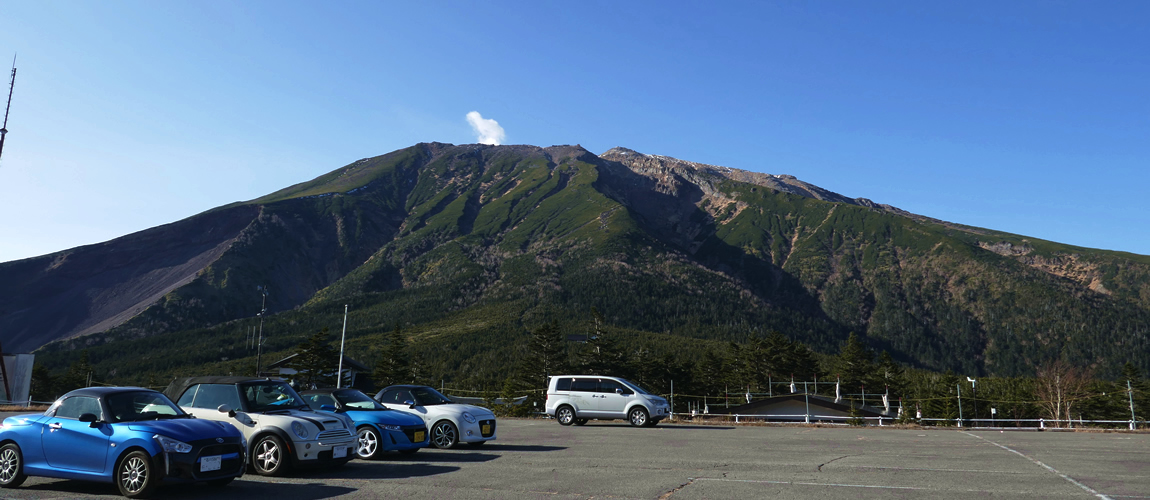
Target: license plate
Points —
{"points": [[339, 452], [419, 437], [210, 463], [486, 429]]}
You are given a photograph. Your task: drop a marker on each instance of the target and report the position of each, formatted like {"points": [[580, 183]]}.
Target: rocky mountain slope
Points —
{"points": [[469, 245]]}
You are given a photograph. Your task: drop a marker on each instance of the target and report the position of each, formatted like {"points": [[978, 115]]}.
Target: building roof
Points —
{"points": [[348, 363]]}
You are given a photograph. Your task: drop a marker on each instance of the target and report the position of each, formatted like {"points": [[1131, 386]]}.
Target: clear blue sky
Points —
{"points": [[1026, 117]]}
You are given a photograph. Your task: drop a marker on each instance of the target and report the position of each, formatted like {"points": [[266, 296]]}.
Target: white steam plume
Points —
{"points": [[487, 131]]}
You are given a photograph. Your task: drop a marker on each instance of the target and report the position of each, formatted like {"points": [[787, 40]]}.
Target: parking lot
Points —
{"points": [[541, 459]]}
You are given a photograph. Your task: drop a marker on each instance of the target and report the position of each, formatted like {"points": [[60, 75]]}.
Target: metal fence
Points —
{"points": [[969, 423]]}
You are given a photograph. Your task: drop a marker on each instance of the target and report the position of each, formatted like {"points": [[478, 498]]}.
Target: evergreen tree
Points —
{"points": [[890, 376], [546, 353], [855, 364], [43, 384], [315, 362], [394, 362], [601, 355], [76, 376]]}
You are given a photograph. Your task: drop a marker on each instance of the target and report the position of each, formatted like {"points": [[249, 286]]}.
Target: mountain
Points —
{"points": [[467, 246]]}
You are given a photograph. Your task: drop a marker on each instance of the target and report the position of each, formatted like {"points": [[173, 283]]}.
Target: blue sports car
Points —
{"points": [[378, 429], [130, 436]]}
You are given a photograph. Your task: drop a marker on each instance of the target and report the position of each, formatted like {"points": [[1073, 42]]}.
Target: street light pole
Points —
{"points": [[260, 342], [974, 392], [339, 372]]}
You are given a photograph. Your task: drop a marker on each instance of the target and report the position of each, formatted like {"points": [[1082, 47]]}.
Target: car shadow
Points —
{"points": [[376, 469], [238, 489], [436, 457], [521, 447]]}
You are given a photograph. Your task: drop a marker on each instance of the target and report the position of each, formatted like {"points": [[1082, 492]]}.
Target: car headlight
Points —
{"points": [[171, 445], [299, 430], [390, 427], [469, 417]]}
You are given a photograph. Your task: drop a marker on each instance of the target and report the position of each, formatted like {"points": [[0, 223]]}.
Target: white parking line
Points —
{"points": [[1047, 467], [799, 483]]}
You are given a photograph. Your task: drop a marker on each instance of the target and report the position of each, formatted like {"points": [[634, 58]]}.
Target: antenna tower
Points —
{"points": [[11, 85]]}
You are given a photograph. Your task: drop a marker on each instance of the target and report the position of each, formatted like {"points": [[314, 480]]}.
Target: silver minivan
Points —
{"points": [[575, 399]]}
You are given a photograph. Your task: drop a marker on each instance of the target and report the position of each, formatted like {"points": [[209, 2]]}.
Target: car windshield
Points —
{"points": [[634, 386], [355, 400], [426, 396], [271, 396], [133, 406]]}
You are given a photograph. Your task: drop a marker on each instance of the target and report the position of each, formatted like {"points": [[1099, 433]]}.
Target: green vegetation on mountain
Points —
{"points": [[472, 248]]}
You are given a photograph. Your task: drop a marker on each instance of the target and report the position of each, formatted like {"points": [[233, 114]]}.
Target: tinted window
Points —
{"points": [[611, 385], [395, 396], [128, 406], [355, 400], [211, 396], [75, 406], [426, 396], [268, 396], [317, 400], [585, 385], [564, 384]]}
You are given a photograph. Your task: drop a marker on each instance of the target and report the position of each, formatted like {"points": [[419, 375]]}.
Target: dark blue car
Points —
{"points": [[378, 429], [134, 437]]}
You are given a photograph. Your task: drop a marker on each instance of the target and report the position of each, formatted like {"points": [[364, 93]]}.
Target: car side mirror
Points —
{"points": [[224, 408], [618, 391], [410, 404], [327, 408], [90, 418]]}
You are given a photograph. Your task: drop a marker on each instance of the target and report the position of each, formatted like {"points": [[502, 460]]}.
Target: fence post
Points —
{"points": [[1042, 423]]}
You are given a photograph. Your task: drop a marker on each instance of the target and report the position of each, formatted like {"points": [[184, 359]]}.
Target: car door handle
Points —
{"points": [[55, 425]]}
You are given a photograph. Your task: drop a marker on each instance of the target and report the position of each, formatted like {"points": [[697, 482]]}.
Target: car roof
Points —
{"points": [[407, 386], [328, 390], [179, 385], [102, 391]]}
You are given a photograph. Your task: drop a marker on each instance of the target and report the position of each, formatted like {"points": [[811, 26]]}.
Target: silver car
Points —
{"points": [[575, 399]]}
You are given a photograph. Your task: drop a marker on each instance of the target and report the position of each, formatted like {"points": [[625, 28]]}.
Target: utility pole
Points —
{"points": [[959, 386], [339, 372], [263, 290], [11, 86], [1130, 393]]}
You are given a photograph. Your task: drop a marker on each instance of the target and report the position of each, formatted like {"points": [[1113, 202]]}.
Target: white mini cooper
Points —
{"points": [[283, 432]]}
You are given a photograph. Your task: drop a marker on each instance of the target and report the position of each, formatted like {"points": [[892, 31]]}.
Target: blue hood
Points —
{"points": [[186, 429], [388, 417]]}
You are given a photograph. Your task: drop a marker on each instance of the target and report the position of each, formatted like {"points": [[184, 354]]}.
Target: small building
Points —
{"points": [[351, 368], [798, 407]]}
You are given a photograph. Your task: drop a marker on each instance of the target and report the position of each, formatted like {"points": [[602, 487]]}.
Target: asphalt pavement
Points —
{"points": [[541, 459]]}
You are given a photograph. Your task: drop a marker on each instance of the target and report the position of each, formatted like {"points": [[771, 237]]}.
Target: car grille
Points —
{"points": [[410, 433], [337, 435], [230, 463], [490, 426]]}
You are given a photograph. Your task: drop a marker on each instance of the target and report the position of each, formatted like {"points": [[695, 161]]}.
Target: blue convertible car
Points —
{"points": [[378, 429], [130, 436]]}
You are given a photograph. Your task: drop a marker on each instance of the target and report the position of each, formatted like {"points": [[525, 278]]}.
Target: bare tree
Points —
{"points": [[1059, 386]]}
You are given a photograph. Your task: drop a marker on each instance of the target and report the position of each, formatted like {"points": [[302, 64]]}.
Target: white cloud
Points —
{"points": [[487, 131]]}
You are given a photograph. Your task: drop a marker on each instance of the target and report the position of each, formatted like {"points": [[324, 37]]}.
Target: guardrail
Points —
{"points": [[970, 423]]}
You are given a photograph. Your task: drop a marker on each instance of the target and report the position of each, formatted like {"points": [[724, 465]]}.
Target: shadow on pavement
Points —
{"points": [[438, 457], [238, 489], [521, 447], [362, 469]]}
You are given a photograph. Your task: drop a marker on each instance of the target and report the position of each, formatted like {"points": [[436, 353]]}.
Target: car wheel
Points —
{"points": [[409, 452], [638, 416], [444, 435], [580, 421], [269, 456], [11, 466], [565, 415], [135, 475], [368, 446]]}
